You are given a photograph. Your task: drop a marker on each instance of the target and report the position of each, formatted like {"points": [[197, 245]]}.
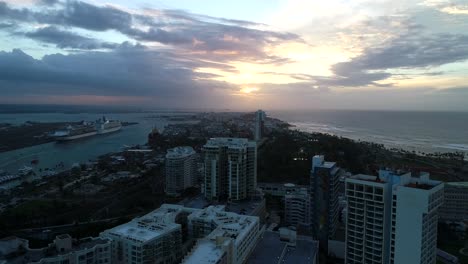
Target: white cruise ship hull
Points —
{"points": [[110, 130], [68, 138]]}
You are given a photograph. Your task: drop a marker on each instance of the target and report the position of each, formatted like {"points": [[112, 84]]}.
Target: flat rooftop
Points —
{"points": [[420, 186], [180, 152], [36, 255], [270, 248], [369, 178], [151, 225], [229, 142], [457, 184], [205, 252]]}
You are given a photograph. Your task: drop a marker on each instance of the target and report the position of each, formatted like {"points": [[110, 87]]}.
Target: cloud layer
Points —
{"points": [[175, 57]]}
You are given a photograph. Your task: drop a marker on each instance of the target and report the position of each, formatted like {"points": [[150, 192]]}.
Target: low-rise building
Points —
{"points": [[64, 250], [167, 234], [216, 224], [155, 236]]}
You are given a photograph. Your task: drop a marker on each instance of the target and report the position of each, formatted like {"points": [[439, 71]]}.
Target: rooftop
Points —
{"points": [[270, 248], [228, 142], [151, 225], [205, 252], [369, 178], [420, 186], [457, 184], [35, 255], [180, 152]]}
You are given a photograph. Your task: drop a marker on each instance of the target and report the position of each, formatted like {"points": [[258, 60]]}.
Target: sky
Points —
{"points": [[239, 55]]}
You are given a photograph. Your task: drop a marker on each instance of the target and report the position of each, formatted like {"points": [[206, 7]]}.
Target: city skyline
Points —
{"points": [[385, 55]]}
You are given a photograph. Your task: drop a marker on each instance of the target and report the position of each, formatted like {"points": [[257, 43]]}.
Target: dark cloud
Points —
{"points": [[65, 39], [49, 2], [84, 15], [409, 51], [212, 38], [129, 70]]}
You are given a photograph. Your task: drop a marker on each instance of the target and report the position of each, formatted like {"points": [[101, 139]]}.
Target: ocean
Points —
{"points": [[418, 131], [413, 131]]}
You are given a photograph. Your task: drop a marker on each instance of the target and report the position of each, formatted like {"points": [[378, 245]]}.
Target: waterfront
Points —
{"points": [[409, 130], [438, 131], [52, 154]]}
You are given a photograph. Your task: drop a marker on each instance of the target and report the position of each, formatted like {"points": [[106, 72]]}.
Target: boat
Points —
{"points": [[25, 170], [87, 129], [82, 130], [104, 126]]}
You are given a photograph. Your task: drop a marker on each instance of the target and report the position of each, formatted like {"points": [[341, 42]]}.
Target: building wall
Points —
{"points": [[324, 187], [166, 248], [365, 223], [297, 209], [180, 173], [230, 170], [455, 207], [414, 231]]}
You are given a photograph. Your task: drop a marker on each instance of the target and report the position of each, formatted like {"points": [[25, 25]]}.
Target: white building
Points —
{"points": [[155, 237], [392, 218], [181, 170], [165, 235], [236, 233], [64, 249], [455, 207], [230, 168], [259, 124], [297, 208]]}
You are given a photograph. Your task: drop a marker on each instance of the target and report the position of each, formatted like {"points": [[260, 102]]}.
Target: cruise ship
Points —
{"points": [[104, 126], [86, 129]]}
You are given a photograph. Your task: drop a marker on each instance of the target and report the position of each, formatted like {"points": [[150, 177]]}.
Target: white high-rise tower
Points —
{"points": [[259, 124], [392, 218]]}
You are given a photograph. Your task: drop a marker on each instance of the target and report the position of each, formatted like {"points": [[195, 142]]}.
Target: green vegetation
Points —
{"points": [[285, 157]]}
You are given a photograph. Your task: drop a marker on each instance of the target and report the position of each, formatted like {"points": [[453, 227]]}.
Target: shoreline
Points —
{"points": [[31, 134], [386, 141]]}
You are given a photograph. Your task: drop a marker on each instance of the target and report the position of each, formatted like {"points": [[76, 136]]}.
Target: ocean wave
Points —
{"points": [[463, 147]]}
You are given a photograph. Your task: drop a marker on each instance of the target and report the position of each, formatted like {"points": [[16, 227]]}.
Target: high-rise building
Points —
{"points": [[324, 192], [392, 218], [181, 170], [259, 124], [297, 208], [230, 168], [455, 207]]}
